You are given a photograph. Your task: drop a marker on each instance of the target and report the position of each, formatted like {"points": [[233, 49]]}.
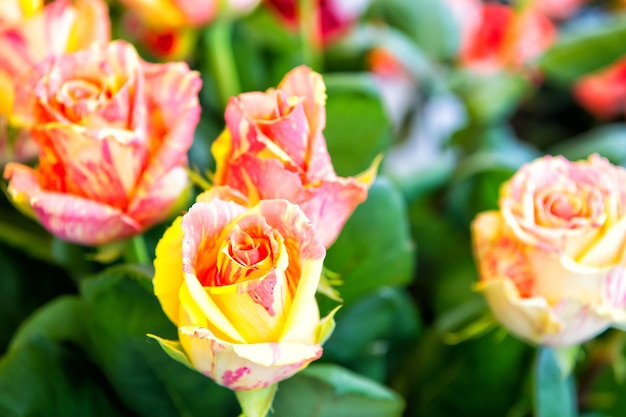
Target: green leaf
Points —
{"points": [[121, 310], [326, 390], [555, 395], [584, 51], [375, 248], [491, 97], [174, 350], [23, 233], [357, 126], [43, 378], [430, 23], [608, 140], [62, 320], [25, 284], [385, 315], [356, 44]]}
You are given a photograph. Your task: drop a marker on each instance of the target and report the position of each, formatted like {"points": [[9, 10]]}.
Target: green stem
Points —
{"points": [[222, 60], [310, 33], [138, 252]]}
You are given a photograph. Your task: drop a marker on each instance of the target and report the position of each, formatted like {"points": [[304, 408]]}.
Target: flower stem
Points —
{"points": [[310, 33], [138, 252], [222, 60]]}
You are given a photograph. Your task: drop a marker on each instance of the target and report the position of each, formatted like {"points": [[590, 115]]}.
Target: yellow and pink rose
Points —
{"points": [[114, 132], [552, 260]]}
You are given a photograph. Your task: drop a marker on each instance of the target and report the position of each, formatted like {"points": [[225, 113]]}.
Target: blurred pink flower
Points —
{"points": [[114, 133], [551, 260], [29, 32]]}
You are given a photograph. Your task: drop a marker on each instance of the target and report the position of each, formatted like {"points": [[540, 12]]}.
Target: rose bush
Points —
{"points": [[240, 286], [29, 32], [552, 260], [273, 147], [114, 133]]}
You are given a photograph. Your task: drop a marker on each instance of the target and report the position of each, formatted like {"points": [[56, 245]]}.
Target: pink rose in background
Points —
{"points": [[29, 32], [500, 39], [552, 260], [559, 9], [603, 93], [114, 133], [273, 147]]}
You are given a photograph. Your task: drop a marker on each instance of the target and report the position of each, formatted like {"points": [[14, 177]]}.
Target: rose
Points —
{"points": [[240, 285], [114, 132], [603, 93], [500, 38], [335, 17], [28, 33], [552, 259], [164, 14], [273, 147]]}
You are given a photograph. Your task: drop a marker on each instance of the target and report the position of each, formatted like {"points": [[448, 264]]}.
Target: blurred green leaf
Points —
{"points": [[383, 316], [555, 395], [608, 140], [61, 320], [351, 51], [371, 334], [23, 233], [375, 248], [430, 23], [357, 127], [43, 378], [121, 310], [325, 390], [490, 97], [584, 51], [25, 284]]}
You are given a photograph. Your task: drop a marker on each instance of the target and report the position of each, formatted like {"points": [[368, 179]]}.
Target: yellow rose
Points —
{"points": [[240, 285]]}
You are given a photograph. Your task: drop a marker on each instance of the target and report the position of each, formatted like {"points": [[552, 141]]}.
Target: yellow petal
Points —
{"points": [[168, 270]]}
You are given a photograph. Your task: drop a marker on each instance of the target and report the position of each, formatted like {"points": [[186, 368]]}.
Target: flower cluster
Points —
{"points": [[243, 292]]}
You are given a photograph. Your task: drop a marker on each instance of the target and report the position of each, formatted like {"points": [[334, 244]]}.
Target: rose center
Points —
{"points": [[80, 98], [565, 207], [248, 250]]}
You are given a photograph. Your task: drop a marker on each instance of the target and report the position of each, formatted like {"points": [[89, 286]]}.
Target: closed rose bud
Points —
{"points": [[273, 147], [552, 260], [239, 283], [114, 133]]}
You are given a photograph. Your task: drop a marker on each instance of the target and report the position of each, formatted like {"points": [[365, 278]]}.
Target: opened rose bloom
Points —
{"points": [[114, 133], [239, 283], [552, 260], [29, 32], [273, 147]]}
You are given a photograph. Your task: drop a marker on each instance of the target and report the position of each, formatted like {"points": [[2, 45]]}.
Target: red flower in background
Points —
{"points": [[335, 16], [603, 93], [501, 38]]}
